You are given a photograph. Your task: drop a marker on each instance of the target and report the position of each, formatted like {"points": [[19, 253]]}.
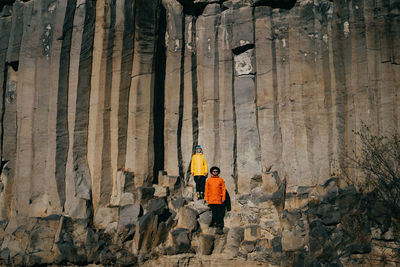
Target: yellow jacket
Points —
{"points": [[199, 167]]}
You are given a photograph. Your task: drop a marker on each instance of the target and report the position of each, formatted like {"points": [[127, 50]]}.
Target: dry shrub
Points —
{"points": [[378, 158]]}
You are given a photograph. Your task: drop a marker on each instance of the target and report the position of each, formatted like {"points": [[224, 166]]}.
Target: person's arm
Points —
{"points": [[206, 191], [223, 190], [192, 166], [206, 165]]}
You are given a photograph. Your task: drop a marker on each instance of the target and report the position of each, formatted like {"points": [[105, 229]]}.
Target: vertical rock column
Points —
{"points": [[5, 30], [140, 136], [99, 159], [388, 24], [338, 69], [207, 73], [78, 181], [225, 149], [308, 97], [294, 102], [9, 142], [326, 79], [292, 140], [267, 93], [61, 109], [122, 67], [173, 83], [248, 139], [37, 190], [316, 94], [61, 12], [372, 52], [190, 82]]}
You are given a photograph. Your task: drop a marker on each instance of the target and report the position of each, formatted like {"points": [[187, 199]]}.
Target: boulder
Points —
{"points": [[206, 244], [129, 215], [181, 241], [187, 218], [233, 240]]}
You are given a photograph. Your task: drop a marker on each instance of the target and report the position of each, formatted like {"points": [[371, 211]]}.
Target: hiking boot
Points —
{"points": [[219, 230]]}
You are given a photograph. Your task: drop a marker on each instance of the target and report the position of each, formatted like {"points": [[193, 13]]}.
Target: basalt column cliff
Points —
{"points": [[103, 102]]}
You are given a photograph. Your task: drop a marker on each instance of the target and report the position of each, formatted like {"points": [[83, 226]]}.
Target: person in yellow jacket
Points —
{"points": [[199, 170], [215, 196]]}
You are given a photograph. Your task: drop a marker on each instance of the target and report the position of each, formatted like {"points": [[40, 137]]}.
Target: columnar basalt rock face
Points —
{"points": [[103, 102]]}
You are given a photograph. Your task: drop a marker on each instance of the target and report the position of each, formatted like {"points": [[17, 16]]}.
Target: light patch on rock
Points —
{"points": [[176, 45], [11, 94], [284, 42], [243, 63], [189, 41], [166, 39], [3, 198], [243, 42], [80, 2], [329, 13], [52, 7], [46, 39], [306, 2], [104, 216], [325, 38], [346, 29]]}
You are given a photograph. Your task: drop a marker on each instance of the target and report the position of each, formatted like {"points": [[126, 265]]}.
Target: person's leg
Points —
{"points": [[213, 214], [197, 181], [220, 213], [202, 186]]}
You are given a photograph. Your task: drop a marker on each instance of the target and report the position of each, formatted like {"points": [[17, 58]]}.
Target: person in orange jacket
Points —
{"points": [[215, 195], [199, 170]]}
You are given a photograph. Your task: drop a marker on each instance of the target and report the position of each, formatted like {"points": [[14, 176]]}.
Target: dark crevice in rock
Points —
{"points": [[14, 65], [195, 110], [181, 101], [235, 170], [126, 72], [164, 216], [62, 136], [3, 164], [285, 4], [5, 3], [3, 112], [255, 80], [106, 171], [242, 49], [194, 9], [159, 94], [17, 26]]}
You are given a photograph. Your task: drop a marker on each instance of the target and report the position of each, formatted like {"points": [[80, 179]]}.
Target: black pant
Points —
{"points": [[218, 213], [200, 183]]}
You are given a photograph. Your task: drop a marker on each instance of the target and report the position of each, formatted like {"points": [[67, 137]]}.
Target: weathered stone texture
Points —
{"points": [[103, 102]]}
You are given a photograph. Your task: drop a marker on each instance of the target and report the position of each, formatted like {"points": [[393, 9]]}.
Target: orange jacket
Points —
{"points": [[215, 190]]}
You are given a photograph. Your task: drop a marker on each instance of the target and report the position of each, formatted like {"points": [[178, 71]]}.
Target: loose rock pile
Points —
{"points": [[327, 224]]}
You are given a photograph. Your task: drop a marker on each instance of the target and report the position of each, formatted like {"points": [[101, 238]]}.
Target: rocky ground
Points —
{"points": [[329, 224]]}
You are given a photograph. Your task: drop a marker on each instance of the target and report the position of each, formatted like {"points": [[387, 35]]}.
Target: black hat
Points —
{"points": [[215, 168]]}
